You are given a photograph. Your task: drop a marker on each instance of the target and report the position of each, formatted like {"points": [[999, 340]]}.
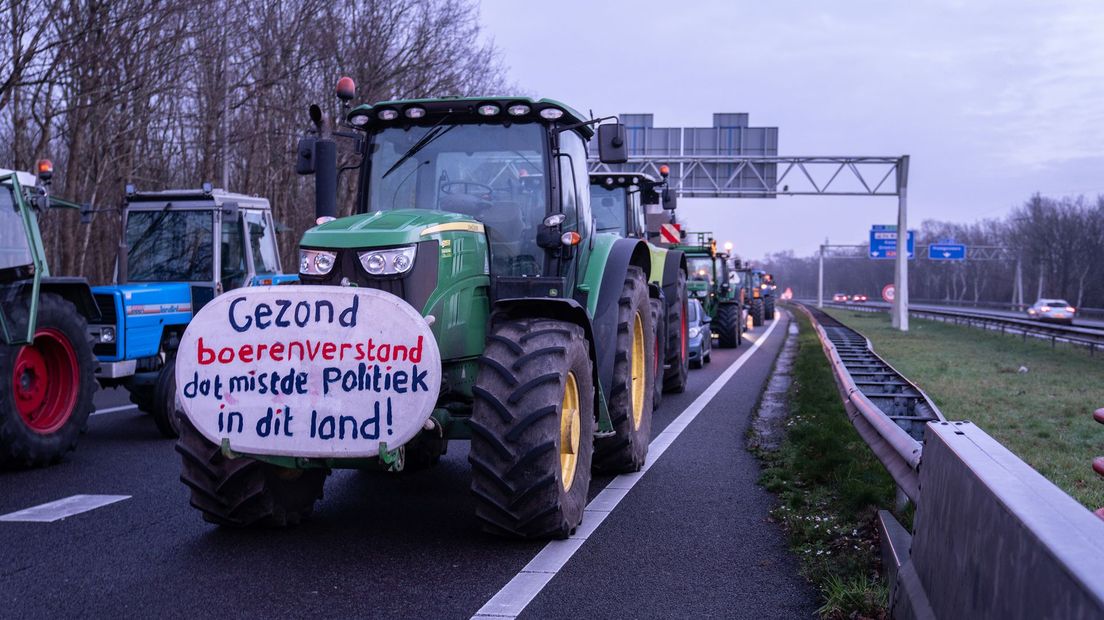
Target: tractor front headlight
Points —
{"points": [[391, 261], [316, 262], [107, 334]]}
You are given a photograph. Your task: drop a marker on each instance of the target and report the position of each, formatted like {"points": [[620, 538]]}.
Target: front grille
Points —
{"points": [[108, 316], [415, 286]]}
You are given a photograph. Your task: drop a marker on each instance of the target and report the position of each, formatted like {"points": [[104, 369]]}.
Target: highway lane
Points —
{"points": [[692, 536]]}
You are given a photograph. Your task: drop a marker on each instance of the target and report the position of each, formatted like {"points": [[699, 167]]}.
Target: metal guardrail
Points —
{"points": [[992, 538], [1095, 313], [887, 410], [1088, 337]]}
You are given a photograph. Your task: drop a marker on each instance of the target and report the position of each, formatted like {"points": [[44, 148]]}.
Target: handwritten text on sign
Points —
{"points": [[310, 371]]}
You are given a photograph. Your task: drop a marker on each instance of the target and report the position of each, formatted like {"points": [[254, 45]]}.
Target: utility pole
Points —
{"points": [[900, 280], [820, 277]]}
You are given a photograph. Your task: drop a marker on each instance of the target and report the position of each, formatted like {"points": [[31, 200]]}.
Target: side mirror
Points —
{"points": [[304, 155], [613, 147], [706, 320], [670, 200]]}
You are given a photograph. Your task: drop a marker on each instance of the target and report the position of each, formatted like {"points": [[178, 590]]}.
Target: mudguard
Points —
{"points": [[672, 264], [77, 292], [625, 252]]}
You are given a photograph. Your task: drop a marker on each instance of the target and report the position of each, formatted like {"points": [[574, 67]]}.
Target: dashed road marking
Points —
{"points": [[527, 584], [114, 409], [62, 508]]}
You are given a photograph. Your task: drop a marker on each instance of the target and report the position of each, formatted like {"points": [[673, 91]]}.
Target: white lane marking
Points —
{"points": [[62, 508], [114, 409], [527, 584]]}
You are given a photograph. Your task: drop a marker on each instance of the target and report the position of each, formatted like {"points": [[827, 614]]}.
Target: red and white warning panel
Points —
{"points": [[669, 233]]}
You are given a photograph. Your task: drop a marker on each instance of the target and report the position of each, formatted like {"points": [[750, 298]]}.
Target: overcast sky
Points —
{"points": [[993, 100]]}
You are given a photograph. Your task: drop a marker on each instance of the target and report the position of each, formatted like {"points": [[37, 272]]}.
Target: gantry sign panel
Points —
{"points": [[705, 162]]}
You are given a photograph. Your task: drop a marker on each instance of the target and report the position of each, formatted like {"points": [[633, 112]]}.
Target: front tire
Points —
{"points": [[768, 309], [244, 492], [46, 387], [164, 403], [532, 429], [729, 333], [677, 355], [629, 408], [757, 312]]}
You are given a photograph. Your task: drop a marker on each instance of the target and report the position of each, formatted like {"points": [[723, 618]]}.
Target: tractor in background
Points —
{"points": [[46, 361], [178, 250], [711, 284], [619, 202], [472, 225]]}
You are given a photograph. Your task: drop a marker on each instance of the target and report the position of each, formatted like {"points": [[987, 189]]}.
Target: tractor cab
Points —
{"points": [[180, 250]]}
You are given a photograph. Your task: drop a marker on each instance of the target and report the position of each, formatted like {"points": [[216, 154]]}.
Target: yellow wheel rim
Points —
{"points": [[569, 431], [637, 371]]}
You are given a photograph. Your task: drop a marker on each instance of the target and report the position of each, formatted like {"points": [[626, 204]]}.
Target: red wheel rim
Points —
{"points": [[45, 381]]}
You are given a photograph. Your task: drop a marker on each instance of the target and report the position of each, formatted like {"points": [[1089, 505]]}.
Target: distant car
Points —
{"points": [[858, 298], [841, 297], [701, 337], [1052, 310]]}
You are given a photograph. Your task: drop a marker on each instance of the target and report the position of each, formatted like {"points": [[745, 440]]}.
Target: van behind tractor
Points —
{"points": [[46, 361], [619, 202], [710, 283], [179, 249], [467, 297]]}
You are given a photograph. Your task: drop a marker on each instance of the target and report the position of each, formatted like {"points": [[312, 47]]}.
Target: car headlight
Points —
{"points": [[694, 332], [388, 262], [316, 262], [107, 334]]}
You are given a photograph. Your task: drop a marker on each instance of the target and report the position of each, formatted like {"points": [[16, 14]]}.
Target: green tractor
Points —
{"points": [[46, 362], [472, 222], [711, 284], [619, 202]]}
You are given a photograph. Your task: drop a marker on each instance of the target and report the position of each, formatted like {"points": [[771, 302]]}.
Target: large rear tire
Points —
{"points": [[757, 311], [243, 492], [46, 387], [164, 404], [629, 408], [768, 309], [727, 324], [143, 397], [532, 429], [677, 358]]}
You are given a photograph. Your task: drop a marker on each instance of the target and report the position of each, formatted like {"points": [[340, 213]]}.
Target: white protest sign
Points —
{"points": [[309, 371]]}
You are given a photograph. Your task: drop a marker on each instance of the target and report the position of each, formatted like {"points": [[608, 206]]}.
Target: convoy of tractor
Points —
{"points": [[543, 319]]}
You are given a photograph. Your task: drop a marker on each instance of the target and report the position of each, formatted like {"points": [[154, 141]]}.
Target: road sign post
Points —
{"points": [[900, 288]]}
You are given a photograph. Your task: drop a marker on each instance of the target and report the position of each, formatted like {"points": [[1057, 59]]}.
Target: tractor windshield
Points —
{"points": [[262, 240], [701, 268], [15, 247], [170, 246], [493, 173], [608, 205]]}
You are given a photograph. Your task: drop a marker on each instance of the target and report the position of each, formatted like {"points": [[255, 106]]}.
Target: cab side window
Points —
{"points": [[575, 181]]}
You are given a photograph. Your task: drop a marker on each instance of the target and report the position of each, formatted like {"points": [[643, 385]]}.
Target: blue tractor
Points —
{"points": [[179, 250]]}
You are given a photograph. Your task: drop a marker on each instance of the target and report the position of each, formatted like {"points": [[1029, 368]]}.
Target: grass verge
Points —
{"points": [[1035, 400], [829, 486]]}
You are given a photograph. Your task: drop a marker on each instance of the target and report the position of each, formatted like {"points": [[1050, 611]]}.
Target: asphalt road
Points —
{"points": [[691, 538]]}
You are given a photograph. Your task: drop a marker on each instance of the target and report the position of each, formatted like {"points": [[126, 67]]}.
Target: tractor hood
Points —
{"points": [[150, 298], [387, 228]]}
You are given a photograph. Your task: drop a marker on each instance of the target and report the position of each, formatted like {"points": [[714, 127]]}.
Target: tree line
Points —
{"points": [[173, 94], [1057, 242]]}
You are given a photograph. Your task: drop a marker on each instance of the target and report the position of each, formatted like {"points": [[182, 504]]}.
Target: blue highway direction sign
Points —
{"points": [[947, 251], [883, 242]]}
